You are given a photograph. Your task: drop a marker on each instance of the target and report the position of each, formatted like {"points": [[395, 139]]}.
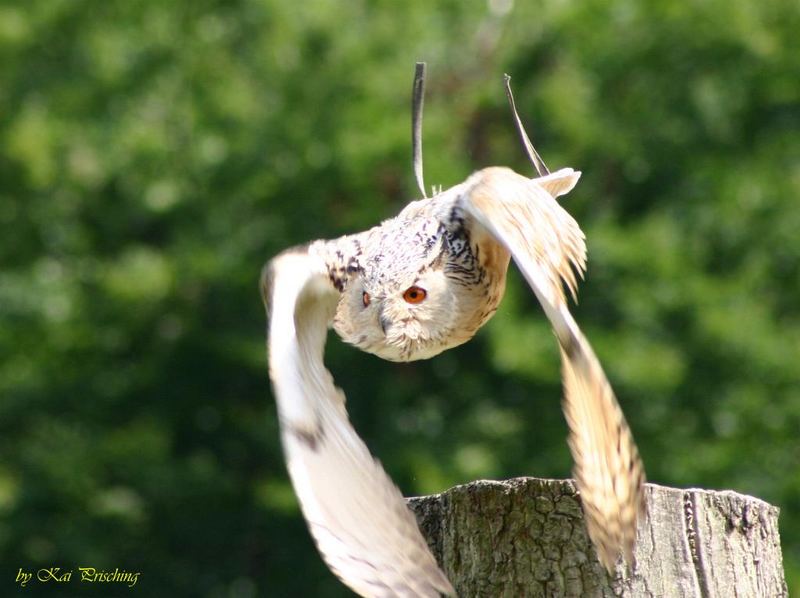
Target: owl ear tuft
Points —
{"points": [[533, 155], [417, 101]]}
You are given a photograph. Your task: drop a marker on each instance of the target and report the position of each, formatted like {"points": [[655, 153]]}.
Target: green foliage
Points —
{"points": [[154, 154]]}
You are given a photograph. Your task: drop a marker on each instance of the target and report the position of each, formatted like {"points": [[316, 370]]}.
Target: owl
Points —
{"points": [[408, 289]]}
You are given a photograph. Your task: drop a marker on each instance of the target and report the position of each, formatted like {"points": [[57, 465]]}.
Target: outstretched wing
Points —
{"points": [[548, 247], [357, 516]]}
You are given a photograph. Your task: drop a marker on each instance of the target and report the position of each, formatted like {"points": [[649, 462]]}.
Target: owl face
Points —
{"points": [[404, 302]]}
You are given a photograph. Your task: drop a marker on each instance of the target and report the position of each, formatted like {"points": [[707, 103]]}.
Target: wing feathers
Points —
{"points": [[549, 248], [560, 182], [357, 516], [523, 216], [608, 470]]}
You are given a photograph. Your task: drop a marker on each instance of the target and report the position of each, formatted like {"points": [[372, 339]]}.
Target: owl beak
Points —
{"points": [[383, 321]]}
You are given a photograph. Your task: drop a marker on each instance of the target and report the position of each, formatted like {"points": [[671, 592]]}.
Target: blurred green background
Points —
{"points": [[154, 154]]}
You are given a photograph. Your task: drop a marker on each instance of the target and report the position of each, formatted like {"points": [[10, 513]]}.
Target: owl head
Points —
{"points": [[409, 299]]}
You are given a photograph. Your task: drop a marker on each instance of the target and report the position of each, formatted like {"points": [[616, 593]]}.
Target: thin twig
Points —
{"points": [[417, 101], [533, 156]]}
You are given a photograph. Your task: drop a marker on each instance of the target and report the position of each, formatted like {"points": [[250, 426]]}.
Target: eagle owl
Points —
{"points": [[416, 285]]}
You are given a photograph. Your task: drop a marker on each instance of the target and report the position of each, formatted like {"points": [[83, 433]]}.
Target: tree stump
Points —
{"points": [[526, 537]]}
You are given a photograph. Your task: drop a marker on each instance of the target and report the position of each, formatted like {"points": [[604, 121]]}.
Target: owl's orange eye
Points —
{"points": [[365, 298], [415, 295]]}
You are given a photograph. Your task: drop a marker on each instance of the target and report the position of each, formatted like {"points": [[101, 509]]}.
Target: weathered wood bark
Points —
{"points": [[526, 537]]}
